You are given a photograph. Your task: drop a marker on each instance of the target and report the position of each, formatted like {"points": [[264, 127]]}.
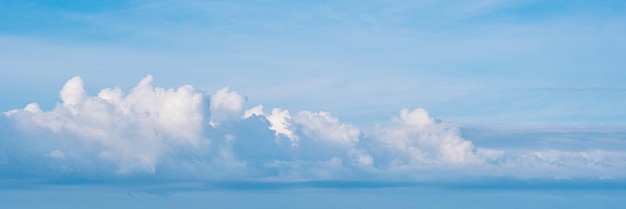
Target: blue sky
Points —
{"points": [[182, 92]]}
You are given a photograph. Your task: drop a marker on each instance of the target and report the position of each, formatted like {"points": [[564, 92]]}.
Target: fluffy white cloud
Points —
{"points": [[134, 131], [321, 126], [165, 132], [326, 128], [418, 138], [313, 134], [73, 92], [280, 121], [225, 105]]}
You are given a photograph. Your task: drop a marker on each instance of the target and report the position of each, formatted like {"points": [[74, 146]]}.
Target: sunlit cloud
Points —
{"points": [[174, 132]]}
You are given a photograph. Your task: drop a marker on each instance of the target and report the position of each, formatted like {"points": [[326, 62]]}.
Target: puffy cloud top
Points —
{"points": [[323, 126], [73, 91], [225, 104]]}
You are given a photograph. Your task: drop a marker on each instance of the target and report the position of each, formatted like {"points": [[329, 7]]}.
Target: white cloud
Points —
{"points": [[164, 132], [363, 159], [324, 127], [134, 130], [417, 118], [279, 121], [418, 138], [225, 105], [32, 107], [73, 92], [256, 110]]}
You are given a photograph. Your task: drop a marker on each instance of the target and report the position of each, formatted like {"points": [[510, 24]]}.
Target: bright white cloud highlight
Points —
{"points": [[73, 92], [280, 121], [225, 105]]}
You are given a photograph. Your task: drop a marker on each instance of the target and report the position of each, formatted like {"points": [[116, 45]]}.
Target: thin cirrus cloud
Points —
{"points": [[185, 133]]}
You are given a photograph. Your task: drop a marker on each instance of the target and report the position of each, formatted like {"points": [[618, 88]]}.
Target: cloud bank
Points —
{"points": [[185, 133]]}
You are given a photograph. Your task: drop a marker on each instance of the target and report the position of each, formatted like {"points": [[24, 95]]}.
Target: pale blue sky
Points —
{"points": [[526, 93], [476, 62]]}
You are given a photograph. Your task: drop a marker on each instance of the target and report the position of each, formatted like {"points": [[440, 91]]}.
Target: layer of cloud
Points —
{"points": [[184, 133]]}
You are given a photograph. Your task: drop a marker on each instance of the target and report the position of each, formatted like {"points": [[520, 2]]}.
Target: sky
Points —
{"points": [[356, 103]]}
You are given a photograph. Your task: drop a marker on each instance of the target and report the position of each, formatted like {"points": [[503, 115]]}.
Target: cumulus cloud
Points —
{"points": [[169, 132], [73, 92], [132, 130], [279, 119], [324, 127], [225, 105], [418, 138]]}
